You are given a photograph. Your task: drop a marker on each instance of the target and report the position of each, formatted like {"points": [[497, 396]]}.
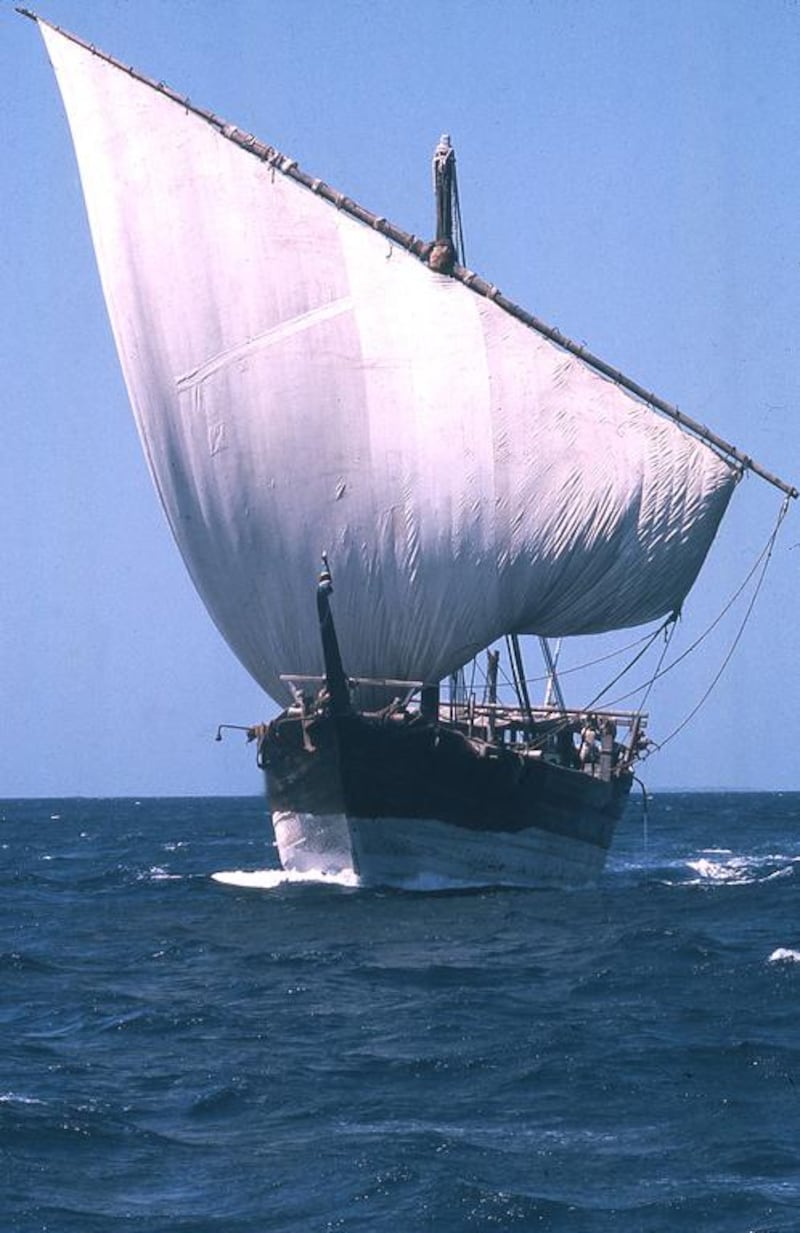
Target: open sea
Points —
{"points": [[181, 1055]]}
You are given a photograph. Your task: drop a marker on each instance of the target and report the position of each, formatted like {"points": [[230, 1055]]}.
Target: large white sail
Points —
{"points": [[301, 384]]}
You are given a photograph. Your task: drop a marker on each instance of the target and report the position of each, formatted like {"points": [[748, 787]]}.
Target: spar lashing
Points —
{"points": [[336, 682], [448, 247]]}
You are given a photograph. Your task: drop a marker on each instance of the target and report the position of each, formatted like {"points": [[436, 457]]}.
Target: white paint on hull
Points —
{"points": [[416, 851], [271, 879], [314, 843]]}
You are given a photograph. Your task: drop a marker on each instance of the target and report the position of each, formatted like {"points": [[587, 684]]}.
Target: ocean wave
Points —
{"points": [[20, 962], [186, 1055]]}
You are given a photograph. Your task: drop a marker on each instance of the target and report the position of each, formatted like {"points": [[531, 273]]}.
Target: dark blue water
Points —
{"points": [[181, 1055]]}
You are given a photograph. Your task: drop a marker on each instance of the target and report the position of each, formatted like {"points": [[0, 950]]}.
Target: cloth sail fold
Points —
{"points": [[300, 385]]}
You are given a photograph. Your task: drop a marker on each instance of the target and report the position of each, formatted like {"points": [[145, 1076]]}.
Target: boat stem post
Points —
{"points": [[335, 679], [429, 703]]}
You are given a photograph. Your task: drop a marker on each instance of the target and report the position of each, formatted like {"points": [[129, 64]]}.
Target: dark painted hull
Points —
{"points": [[399, 799]]}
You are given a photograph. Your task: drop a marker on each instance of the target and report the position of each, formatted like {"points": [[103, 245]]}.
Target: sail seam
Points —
{"points": [[259, 342]]}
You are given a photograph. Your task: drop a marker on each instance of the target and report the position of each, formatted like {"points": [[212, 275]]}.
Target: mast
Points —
{"points": [[518, 674], [448, 247], [492, 664], [553, 689]]}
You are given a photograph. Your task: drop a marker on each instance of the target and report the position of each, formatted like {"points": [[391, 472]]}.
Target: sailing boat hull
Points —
{"points": [[398, 800]]}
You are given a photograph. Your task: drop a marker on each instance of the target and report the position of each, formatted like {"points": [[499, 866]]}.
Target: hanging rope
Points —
{"points": [[645, 813], [461, 251]]}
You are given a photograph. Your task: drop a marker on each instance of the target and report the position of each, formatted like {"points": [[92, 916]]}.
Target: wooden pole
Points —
{"points": [[492, 662]]}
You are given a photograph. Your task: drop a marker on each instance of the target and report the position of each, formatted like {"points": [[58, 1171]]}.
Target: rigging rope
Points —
{"points": [[457, 215], [582, 667], [601, 659], [662, 628], [762, 560], [667, 643], [767, 555]]}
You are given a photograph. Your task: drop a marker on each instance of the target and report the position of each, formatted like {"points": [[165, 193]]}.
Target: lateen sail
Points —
{"points": [[300, 384]]}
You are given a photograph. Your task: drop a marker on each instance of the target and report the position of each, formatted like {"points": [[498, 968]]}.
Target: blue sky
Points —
{"points": [[628, 172]]}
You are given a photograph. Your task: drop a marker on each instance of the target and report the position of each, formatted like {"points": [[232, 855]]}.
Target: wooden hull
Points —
{"points": [[401, 800]]}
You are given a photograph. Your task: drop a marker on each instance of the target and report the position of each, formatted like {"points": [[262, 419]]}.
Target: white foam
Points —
{"points": [[156, 873], [742, 870], [12, 1098], [735, 870], [270, 879], [784, 955]]}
